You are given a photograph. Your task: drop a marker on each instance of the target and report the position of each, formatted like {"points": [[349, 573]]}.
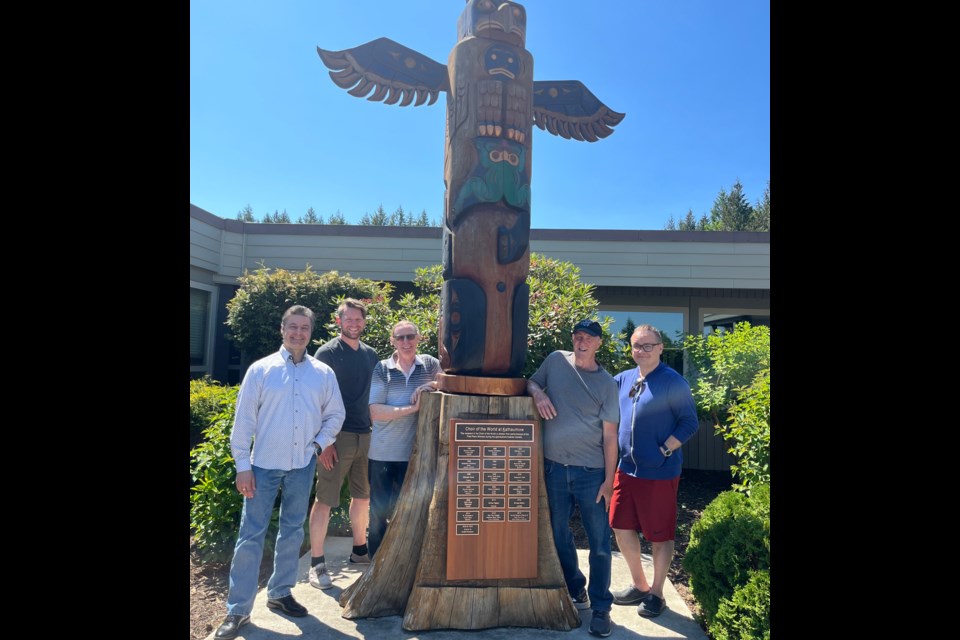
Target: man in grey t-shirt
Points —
{"points": [[578, 401]]}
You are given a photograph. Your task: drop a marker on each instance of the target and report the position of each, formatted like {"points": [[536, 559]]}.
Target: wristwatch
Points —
{"points": [[666, 451], [318, 450]]}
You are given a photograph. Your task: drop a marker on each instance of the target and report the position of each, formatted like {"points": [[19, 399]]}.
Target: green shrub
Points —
{"points": [[558, 300], [745, 616], [215, 504], [423, 309], [731, 539], [725, 362], [748, 425], [730, 380], [254, 312], [207, 399]]}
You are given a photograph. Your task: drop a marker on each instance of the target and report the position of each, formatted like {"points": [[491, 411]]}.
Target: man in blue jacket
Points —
{"points": [[657, 415]]}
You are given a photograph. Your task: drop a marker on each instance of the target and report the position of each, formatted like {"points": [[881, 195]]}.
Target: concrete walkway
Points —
{"points": [[324, 622]]}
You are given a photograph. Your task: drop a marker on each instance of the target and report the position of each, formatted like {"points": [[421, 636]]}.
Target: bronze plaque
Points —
{"points": [[496, 464]]}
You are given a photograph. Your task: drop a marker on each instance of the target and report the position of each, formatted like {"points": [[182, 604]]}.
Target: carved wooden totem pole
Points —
{"points": [[470, 544], [492, 104]]}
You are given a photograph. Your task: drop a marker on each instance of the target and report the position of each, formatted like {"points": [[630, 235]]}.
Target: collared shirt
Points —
{"points": [[284, 408], [392, 440]]}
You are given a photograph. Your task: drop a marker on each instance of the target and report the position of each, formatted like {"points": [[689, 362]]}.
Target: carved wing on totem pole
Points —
{"points": [[568, 109], [390, 70]]}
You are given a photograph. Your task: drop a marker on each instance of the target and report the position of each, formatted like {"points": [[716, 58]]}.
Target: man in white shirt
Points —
{"points": [[289, 405]]}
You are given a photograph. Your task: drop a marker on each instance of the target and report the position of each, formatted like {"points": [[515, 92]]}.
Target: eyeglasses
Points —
{"points": [[639, 385], [645, 347], [406, 336]]}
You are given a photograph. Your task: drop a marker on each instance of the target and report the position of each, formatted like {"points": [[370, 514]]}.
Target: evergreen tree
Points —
{"points": [[422, 221], [761, 212], [311, 217], [379, 218], [731, 212], [627, 331], [281, 218], [246, 214], [399, 218], [337, 218]]}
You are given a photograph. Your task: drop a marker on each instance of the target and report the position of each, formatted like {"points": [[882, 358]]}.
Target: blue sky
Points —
{"points": [[270, 129]]}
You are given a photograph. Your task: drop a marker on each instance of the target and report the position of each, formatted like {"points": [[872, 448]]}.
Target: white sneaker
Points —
{"points": [[319, 577]]}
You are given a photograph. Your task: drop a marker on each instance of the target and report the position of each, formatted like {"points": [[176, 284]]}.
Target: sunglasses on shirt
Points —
{"points": [[638, 387]]}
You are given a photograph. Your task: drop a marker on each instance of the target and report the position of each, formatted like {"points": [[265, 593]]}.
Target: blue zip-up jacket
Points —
{"points": [[665, 408]]}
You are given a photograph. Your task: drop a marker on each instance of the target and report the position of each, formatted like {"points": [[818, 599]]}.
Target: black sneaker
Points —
{"points": [[652, 606], [600, 624], [582, 601], [629, 595]]}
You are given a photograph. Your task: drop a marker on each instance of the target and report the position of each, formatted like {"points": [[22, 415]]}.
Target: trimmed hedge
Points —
{"points": [[729, 542], [745, 616], [254, 312], [207, 399]]}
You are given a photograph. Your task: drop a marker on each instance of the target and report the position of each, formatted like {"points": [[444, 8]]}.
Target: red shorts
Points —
{"points": [[645, 505]]}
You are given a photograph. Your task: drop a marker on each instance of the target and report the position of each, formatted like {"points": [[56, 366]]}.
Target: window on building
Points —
{"points": [[723, 322], [199, 317], [670, 324]]}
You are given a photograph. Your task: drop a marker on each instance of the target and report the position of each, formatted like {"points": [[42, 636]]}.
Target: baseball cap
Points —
{"points": [[590, 326]]}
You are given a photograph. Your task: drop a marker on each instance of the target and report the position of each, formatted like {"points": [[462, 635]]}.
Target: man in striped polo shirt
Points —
{"points": [[394, 406]]}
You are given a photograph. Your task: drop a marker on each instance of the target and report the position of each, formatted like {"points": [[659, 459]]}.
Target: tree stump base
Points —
{"points": [[457, 384], [408, 573]]}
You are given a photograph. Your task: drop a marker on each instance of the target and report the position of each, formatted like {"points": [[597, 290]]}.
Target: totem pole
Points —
{"points": [[492, 103]]}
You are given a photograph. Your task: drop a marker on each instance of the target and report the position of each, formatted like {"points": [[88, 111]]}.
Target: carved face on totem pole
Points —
{"points": [[491, 106]]}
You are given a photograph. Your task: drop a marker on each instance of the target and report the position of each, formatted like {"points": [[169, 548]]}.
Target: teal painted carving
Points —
{"points": [[501, 176]]}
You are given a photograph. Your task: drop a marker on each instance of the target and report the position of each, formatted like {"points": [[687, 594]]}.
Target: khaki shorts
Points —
{"points": [[352, 450]]}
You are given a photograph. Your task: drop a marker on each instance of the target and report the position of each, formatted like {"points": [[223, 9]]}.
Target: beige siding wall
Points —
{"points": [[201, 275], [232, 256], [204, 245], [665, 264], [361, 257]]}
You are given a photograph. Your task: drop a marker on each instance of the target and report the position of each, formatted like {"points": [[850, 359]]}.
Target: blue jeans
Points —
{"points": [[294, 487], [566, 484], [386, 479]]}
